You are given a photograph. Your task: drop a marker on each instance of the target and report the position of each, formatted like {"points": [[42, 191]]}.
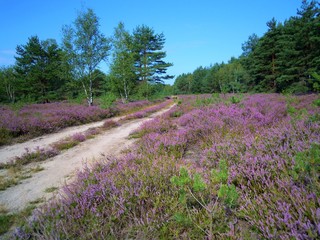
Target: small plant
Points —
{"points": [[110, 124], [176, 114], [307, 163], [7, 182], [107, 100], [78, 137], [220, 176], [6, 222], [235, 100], [229, 194], [188, 186], [65, 145], [296, 114], [38, 155], [38, 168], [50, 189], [317, 102], [5, 136]]}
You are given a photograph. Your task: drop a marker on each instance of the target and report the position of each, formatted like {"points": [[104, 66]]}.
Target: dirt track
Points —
{"points": [[61, 168]]}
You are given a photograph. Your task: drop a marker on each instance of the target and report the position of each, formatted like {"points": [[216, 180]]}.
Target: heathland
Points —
{"points": [[213, 166]]}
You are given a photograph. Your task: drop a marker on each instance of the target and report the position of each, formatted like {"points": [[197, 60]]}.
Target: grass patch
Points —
{"points": [[50, 189], [6, 222], [38, 168], [65, 144]]}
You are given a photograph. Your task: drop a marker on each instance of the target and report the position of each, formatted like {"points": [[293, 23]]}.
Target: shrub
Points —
{"points": [[110, 124], [78, 137], [317, 102], [107, 100]]}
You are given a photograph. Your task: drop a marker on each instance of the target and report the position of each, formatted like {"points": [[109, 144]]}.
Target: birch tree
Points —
{"points": [[86, 48], [122, 70]]}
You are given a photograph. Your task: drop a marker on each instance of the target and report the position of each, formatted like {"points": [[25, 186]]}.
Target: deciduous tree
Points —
{"points": [[87, 47]]}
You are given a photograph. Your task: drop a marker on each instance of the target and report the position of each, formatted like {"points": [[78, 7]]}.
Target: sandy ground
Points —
{"points": [[9, 152], [60, 169]]}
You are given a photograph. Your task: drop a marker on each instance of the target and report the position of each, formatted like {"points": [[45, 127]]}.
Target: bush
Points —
{"points": [[110, 124], [107, 100], [5, 136], [317, 102]]}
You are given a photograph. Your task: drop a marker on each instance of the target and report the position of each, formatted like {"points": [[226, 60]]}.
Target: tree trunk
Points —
{"points": [[86, 92], [90, 102]]}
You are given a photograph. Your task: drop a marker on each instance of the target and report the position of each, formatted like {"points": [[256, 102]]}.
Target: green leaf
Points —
{"points": [[198, 183]]}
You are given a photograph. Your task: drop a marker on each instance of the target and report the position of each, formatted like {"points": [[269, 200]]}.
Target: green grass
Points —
{"points": [[6, 222], [50, 189], [64, 145]]}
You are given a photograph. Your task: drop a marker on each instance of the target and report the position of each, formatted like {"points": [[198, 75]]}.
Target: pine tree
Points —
{"points": [[149, 63], [308, 41], [40, 64]]}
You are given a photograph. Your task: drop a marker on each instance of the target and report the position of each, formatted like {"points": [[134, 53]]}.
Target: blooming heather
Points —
{"points": [[257, 162]]}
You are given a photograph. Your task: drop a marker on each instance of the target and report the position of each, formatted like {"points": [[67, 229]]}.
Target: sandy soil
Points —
{"points": [[60, 169], [9, 152]]}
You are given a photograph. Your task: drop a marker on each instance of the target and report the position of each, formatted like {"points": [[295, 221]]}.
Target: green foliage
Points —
{"points": [[40, 64], [10, 84], [235, 99], [176, 114], [8, 182], [198, 183], [307, 163], [295, 113], [65, 145], [5, 136], [147, 46], [229, 194], [315, 82], [222, 175], [317, 102], [6, 221], [106, 100], [314, 118], [122, 70], [285, 59], [182, 219], [183, 179], [85, 48]]}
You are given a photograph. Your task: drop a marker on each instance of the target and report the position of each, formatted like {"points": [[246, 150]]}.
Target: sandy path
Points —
{"points": [[57, 169], [9, 152]]}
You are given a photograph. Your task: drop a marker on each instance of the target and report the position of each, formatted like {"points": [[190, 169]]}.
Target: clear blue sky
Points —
{"points": [[198, 32]]}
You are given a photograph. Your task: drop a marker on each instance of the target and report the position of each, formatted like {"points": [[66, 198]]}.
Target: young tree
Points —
{"points": [[198, 76], [122, 70], [9, 83], [149, 63], [182, 84], [86, 47]]}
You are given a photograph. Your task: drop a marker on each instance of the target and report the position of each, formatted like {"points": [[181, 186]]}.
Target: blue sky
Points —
{"points": [[198, 32]]}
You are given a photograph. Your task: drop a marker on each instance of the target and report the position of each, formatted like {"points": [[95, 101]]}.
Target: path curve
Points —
{"points": [[59, 169]]}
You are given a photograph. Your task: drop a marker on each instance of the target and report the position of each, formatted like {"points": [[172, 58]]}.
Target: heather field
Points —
{"points": [[38, 119], [213, 167]]}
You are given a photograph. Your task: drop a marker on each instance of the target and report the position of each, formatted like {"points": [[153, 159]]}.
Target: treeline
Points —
{"points": [[46, 71], [285, 59]]}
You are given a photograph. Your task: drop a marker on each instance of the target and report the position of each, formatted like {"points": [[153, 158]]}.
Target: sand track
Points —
{"points": [[62, 168]]}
